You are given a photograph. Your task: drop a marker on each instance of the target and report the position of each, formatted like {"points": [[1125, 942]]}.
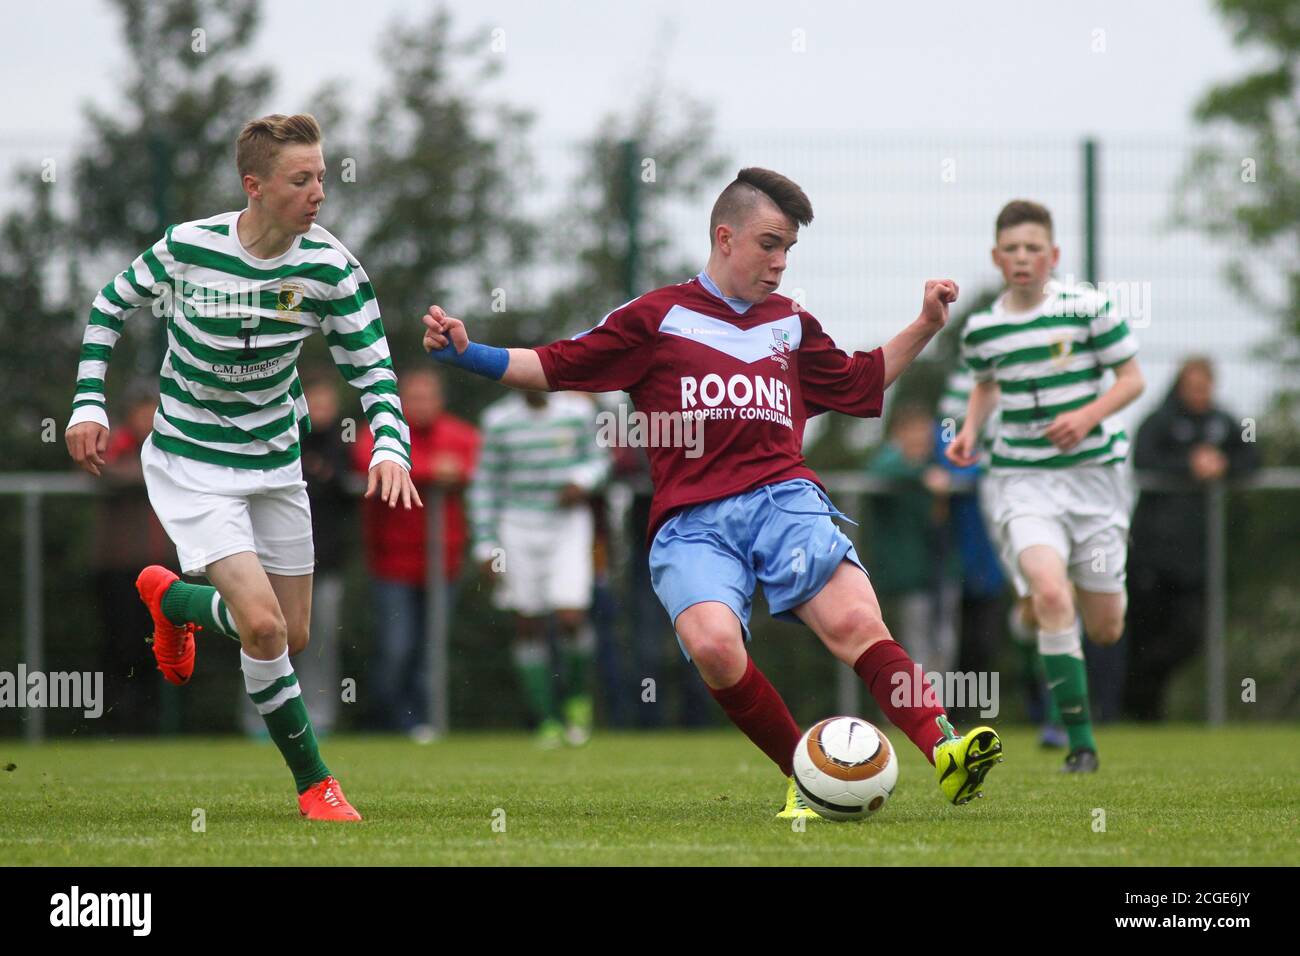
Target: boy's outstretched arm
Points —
{"points": [[907, 344], [963, 450], [446, 340]]}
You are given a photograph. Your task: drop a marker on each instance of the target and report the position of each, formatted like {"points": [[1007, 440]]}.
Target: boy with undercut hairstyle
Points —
{"points": [[741, 507], [1058, 498], [241, 292]]}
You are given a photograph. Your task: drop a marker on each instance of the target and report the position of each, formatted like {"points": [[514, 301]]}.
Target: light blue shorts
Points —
{"points": [[780, 535]]}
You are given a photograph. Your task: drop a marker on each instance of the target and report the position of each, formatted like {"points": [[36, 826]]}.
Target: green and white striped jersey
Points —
{"points": [[528, 455], [1046, 362], [229, 388]]}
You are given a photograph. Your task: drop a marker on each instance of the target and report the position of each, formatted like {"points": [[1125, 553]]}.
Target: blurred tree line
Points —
{"points": [[433, 186], [1242, 188]]}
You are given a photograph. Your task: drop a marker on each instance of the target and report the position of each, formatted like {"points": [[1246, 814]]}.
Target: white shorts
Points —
{"points": [[213, 511], [548, 566], [1080, 513]]}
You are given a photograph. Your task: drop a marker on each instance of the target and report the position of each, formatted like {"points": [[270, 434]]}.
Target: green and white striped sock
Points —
{"points": [[1067, 682], [273, 688], [183, 603]]}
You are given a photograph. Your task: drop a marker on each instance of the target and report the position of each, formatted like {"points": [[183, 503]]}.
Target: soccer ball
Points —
{"points": [[845, 768]]}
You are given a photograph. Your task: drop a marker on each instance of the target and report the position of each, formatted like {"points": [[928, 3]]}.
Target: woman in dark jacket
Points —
{"points": [[1188, 437]]}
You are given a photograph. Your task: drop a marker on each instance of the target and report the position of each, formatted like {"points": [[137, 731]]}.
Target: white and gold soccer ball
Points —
{"points": [[845, 768]]}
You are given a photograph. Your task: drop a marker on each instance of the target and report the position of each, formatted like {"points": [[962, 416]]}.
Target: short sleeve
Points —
{"points": [[981, 368], [1110, 337], [611, 357], [832, 380]]}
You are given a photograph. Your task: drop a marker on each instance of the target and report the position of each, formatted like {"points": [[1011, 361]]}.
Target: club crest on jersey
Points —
{"points": [[290, 296], [1061, 349], [781, 348]]}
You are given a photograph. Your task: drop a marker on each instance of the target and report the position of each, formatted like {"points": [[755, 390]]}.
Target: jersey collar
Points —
{"points": [[739, 306]]}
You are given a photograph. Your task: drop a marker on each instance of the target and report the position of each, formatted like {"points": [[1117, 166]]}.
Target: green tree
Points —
{"points": [[1242, 186], [616, 231], [439, 174], [185, 98], [37, 329], [164, 153]]}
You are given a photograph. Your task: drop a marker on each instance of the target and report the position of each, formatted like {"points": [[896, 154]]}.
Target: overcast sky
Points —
{"points": [[995, 66], [988, 66], [860, 102]]}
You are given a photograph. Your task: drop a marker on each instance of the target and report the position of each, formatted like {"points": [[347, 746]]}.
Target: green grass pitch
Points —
{"points": [[1170, 795]]}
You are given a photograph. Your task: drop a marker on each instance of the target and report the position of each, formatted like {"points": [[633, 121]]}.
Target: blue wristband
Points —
{"points": [[486, 360]]}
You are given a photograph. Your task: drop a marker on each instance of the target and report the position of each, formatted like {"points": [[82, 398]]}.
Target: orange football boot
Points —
{"points": [[325, 801], [173, 644]]}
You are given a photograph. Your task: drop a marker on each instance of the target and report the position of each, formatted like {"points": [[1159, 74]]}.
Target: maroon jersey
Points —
{"points": [[749, 380]]}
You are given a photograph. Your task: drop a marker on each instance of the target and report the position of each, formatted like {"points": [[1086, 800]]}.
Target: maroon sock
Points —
{"points": [[757, 709], [910, 712]]}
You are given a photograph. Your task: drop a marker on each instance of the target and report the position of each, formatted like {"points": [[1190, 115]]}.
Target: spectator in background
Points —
{"points": [[1187, 436], [533, 538], [444, 452], [915, 563], [128, 536], [326, 463]]}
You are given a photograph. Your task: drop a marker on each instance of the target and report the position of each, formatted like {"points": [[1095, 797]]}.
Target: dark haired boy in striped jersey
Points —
{"points": [[241, 291], [1059, 500]]}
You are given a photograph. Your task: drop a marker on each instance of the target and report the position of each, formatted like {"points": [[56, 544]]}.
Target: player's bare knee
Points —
{"points": [[1053, 602], [267, 630], [853, 629], [719, 657], [1107, 632]]}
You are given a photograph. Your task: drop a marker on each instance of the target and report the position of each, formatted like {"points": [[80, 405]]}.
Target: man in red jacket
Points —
{"points": [[444, 451]]}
